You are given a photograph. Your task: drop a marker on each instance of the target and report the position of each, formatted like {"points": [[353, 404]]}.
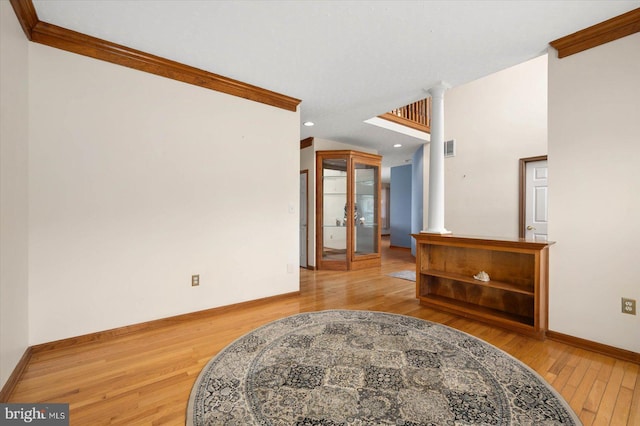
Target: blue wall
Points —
{"points": [[417, 200], [400, 206]]}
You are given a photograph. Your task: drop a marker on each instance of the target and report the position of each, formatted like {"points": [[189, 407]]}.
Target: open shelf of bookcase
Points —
{"points": [[516, 296], [470, 280], [463, 308]]}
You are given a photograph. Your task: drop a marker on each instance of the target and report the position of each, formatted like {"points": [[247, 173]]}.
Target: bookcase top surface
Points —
{"points": [[453, 239]]}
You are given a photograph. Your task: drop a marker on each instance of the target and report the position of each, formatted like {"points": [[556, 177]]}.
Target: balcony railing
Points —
{"points": [[416, 115]]}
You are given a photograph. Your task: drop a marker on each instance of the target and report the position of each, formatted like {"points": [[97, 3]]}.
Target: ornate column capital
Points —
{"points": [[437, 90]]}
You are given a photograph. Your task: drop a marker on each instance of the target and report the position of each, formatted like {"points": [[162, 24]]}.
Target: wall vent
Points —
{"points": [[450, 148]]}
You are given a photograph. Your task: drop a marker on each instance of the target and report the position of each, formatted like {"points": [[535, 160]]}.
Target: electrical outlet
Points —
{"points": [[195, 280], [628, 306]]}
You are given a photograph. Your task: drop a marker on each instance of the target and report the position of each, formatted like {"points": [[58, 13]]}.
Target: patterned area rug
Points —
{"points": [[409, 275], [369, 368]]}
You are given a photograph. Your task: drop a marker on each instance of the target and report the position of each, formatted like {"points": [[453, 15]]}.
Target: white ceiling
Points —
{"points": [[347, 60]]}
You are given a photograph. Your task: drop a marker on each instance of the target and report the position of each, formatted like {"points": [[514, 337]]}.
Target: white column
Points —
{"points": [[435, 215]]}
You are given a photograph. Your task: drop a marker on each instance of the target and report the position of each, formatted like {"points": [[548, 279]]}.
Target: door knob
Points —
{"points": [[530, 228]]}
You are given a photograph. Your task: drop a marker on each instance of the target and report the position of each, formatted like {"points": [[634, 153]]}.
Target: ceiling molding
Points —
{"points": [[307, 142], [604, 32], [26, 14], [82, 44]]}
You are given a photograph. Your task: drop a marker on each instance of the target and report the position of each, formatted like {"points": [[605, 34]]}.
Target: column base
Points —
{"points": [[436, 231]]}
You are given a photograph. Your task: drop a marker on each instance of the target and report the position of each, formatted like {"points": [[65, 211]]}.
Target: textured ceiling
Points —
{"points": [[347, 60]]}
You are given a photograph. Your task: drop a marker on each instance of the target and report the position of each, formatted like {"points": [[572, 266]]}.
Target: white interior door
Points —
{"points": [[536, 219], [303, 219]]}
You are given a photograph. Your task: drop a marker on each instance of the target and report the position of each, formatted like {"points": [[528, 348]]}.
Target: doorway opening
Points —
{"points": [[533, 220]]}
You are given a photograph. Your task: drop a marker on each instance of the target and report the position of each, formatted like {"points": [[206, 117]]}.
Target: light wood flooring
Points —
{"points": [[145, 377]]}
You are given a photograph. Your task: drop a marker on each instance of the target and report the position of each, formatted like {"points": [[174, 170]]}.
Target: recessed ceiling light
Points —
{"points": [[308, 123], [398, 145]]}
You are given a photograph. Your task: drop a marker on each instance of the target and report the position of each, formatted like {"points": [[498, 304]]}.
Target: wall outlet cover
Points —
{"points": [[628, 306]]}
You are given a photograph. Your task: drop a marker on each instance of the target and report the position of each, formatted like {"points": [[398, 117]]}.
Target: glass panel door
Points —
{"points": [[334, 209], [366, 214]]}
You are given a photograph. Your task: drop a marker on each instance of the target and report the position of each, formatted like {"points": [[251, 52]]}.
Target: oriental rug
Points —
{"points": [[409, 275], [369, 368]]}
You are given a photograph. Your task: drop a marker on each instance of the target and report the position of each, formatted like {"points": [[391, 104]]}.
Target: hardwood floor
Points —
{"points": [[145, 377]]}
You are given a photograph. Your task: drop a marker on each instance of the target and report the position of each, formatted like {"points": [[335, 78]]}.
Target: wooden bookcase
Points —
{"points": [[516, 297]]}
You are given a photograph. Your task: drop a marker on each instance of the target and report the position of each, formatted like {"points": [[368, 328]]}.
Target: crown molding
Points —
{"points": [[604, 32], [82, 44], [26, 14], [307, 142]]}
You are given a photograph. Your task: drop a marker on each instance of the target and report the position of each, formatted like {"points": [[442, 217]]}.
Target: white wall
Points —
{"points": [[137, 182], [13, 192], [594, 158], [495, 121]]}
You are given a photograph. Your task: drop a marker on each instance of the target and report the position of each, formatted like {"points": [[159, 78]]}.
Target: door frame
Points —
{"points": [[306, 237], [523, 191]]}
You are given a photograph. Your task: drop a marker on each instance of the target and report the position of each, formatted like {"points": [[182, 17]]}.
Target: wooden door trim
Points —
{"points": [[522, 196], [306, 237], [318, 211]]}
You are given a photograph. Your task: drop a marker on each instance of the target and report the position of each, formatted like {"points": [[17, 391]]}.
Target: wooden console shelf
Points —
{"points": [[473, 281], [516, 297]]}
